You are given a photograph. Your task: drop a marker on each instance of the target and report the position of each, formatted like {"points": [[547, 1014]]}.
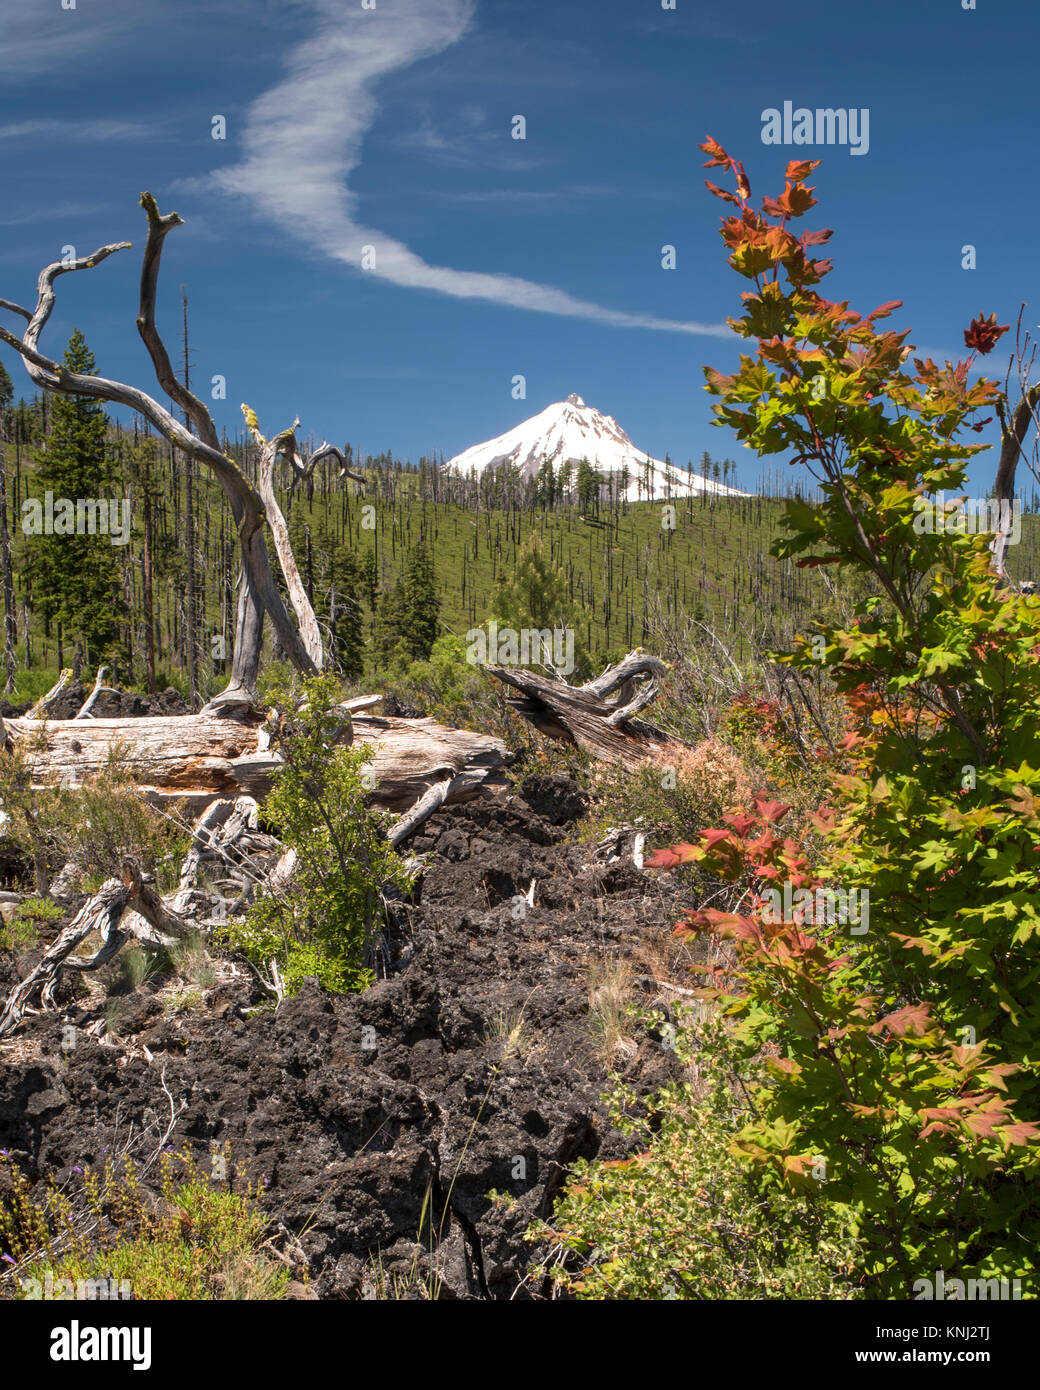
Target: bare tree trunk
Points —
{"points": [[284, 444], [1012, 440], [189, 533], [259, 594], [10, 622], [146, 582]]}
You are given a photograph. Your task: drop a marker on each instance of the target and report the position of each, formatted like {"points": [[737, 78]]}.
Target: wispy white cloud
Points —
{"points": [[303, 141], [571, 196], [464, 138], [36, 39], [40, 36], [77, 132], [27, 214]]}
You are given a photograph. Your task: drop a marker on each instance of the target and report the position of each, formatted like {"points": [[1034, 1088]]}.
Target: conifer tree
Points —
{"points": [[588, 487], [535, 596], [421, 604], [370, 583], [347, 587], [535, 593], [563, 480], [76, 576], [545, 485], [10, 621], [389, 645], [407, 614]]}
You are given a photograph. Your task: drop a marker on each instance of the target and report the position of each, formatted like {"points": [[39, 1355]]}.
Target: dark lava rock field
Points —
{"points": [[403, 1139]]}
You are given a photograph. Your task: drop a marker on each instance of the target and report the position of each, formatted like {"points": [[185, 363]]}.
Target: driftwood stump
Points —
{"points": [[583, 716]]}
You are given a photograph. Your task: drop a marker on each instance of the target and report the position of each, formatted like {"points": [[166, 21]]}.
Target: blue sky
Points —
{"points": [[496, 257]]}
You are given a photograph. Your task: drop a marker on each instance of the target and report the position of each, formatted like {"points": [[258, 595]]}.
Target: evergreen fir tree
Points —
{"points": [[545, 485], [389, 645], [563, 480], [350, 637], [76, 577], [421, 604], [370, 581], [534, 594], [406, 621], [588, 487]]}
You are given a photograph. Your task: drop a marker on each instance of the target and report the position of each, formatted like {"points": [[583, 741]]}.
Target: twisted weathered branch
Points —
{"points": [[103, 913], [258, 594], [326, 450], [583, 716]]}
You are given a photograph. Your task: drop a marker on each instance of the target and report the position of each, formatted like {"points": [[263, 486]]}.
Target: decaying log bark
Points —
{"points": [[200, 758], [582, 715]]}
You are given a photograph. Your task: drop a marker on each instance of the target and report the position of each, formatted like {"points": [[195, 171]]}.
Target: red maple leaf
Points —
{"points": [[912, 1019], [1020, 1133], [683, 853], [983, 334], [719, 157], [799, 169]]}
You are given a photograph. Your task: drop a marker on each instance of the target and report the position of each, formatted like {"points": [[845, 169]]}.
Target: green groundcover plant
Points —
{"points": [[905, 1064], [686, 1218], [103, 1234], [324, 923]]}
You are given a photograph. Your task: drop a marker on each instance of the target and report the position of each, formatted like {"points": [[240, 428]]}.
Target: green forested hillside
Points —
{"points": [[407, 542]]}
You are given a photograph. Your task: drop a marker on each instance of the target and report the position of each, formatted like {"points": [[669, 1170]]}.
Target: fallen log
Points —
{"points": [[196, 759], [582, 715]]}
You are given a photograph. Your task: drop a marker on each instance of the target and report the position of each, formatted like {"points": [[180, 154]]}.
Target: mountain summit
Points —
{"points": [[570, 431]]}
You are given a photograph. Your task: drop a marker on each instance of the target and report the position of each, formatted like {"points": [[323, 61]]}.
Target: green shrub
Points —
{"points": [[107, 820], [685, 1218], [448, 687], [199, 1241], [325, 923], [33, 816], [96, 825], [905, 1055]]}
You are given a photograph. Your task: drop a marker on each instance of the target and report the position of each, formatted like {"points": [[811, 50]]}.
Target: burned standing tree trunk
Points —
{"points": [[582, 715], [1013, 437], [258, 595]]}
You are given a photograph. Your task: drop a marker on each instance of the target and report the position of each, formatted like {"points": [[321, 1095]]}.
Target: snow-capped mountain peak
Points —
{"points": [[569, 431]]}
